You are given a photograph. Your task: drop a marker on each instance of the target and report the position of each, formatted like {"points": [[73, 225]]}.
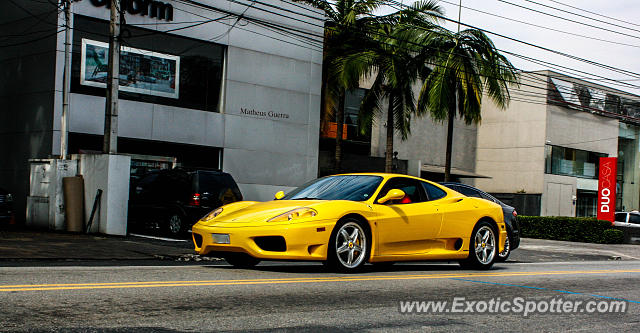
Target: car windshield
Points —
{"points": [[348, 187]]}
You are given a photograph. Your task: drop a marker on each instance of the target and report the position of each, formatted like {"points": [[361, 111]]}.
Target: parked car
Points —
{"points": [[173, 200], [351, 219], [627, 219], [6, 201], [510, 215]]}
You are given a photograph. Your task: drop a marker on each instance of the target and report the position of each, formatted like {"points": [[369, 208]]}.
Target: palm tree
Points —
{"points": [[346, 22], [390, 53], [466, 65]]}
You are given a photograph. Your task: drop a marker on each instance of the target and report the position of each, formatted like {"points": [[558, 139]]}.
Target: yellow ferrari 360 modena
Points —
{"points": [[350, 219]]}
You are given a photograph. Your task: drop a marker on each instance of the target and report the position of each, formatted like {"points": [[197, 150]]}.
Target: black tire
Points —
{"points": [[504, 255], [481, 259], [241, 260], [348, 251], [174, 225]]}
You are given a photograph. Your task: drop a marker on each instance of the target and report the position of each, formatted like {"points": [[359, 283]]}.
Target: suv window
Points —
{"points": [[433, 192], [410, 187], [621, 217], [634, 218]]}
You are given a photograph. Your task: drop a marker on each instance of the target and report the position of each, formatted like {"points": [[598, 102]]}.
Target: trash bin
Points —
{"points": [[74, 202]]}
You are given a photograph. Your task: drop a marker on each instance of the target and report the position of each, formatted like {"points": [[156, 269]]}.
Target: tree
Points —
{"points": [[347, 20], [466, 65], [390, 54]]}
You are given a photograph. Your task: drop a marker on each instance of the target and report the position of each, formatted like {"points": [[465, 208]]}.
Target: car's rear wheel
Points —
{"points": [[502, 256], [349, 246], [482, 247], [241, 260]]}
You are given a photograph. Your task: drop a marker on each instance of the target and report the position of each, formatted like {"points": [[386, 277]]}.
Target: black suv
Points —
{"points": [[510, 215], [173, 200]]}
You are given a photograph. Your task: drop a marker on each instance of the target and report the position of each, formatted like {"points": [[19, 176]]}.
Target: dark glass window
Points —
{"points": [[572, 162], [634, 218], [200, 62], [469, 192], [410, 187], [350, 187], [433, 192], [621, 217]]}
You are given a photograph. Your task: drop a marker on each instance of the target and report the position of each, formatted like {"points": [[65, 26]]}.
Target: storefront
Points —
{"points": [[198, 84]]}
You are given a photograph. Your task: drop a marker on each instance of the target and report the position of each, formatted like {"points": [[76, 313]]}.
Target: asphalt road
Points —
{"points": [[301, 296]]}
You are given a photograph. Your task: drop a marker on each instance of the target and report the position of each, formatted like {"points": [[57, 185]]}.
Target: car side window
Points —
{"points": [[410, 187], [634, 218], [488, 197], [433, 192], [621, 217], [469, 192]]}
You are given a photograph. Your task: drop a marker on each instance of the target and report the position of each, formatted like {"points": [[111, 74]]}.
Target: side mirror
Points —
{"points": [[279, 195], [393, 194]]}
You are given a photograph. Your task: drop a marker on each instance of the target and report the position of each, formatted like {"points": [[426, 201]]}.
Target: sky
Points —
{"points": [[619, 56]]}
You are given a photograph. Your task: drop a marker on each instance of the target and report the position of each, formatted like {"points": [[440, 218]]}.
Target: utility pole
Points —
{"points": [[459, 14], [111, 112], [64, 127]]}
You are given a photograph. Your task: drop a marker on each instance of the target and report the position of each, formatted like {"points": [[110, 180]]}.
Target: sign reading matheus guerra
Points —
{"points": [[607, 188]]}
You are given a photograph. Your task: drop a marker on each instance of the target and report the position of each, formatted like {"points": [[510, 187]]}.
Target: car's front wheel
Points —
{"points": [[349, 246], [241, 260], [483, 248]]}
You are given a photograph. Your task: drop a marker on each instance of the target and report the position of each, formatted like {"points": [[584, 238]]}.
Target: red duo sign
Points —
{"points": [[607, 188]]}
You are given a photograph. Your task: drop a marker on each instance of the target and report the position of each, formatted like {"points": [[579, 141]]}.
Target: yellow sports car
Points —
{"points": [[350, 219]]}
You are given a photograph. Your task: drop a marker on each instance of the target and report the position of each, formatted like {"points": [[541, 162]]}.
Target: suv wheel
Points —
{"points": [[175, 224]]}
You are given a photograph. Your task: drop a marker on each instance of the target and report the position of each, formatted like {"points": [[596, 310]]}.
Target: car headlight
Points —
{"points": [[212, 215], [294, 214]]}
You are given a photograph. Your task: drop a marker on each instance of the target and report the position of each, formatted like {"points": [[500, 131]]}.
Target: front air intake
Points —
{"points": [[271, 243]]}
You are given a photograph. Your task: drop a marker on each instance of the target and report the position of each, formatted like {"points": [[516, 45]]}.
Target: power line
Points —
{"points": [[567, 19], [591, 62], [594, 13], [541, 26], [580, 15]]}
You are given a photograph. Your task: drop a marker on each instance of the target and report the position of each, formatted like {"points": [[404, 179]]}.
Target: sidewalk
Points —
{"points": [[18, 245], [623, 251]]}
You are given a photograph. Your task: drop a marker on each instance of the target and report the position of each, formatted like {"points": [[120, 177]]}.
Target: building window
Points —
{"points": [[572, 162], [155, 67], [351, 125], [352, 101]]}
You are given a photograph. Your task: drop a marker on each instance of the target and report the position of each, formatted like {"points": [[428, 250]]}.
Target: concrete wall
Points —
{"points": [[427, 142], [511, 143], [578, 130], [264, 71], [26, 93]]}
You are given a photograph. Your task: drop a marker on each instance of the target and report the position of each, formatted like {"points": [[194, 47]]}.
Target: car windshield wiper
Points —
{"points": [[306, 198]]}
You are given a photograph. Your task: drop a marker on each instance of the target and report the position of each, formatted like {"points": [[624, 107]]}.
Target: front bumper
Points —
{"points": [[304, 241]]}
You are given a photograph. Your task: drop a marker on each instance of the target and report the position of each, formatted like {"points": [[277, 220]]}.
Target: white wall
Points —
{"points": [[264, 71]]}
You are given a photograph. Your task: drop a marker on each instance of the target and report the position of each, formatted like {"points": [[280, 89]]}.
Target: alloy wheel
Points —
{"points": [[485, 245], [351, 245], [175, 224], [507, 248]]}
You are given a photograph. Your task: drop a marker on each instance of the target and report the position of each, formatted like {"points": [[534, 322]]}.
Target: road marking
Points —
{"points": [[157, 284]]}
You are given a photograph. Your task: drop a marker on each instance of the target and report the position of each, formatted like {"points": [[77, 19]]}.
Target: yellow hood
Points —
{"points": [[253, 211]]}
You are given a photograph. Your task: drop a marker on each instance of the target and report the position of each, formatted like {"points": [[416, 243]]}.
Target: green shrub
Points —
{"points": [[612, 236], [574, 229]]}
